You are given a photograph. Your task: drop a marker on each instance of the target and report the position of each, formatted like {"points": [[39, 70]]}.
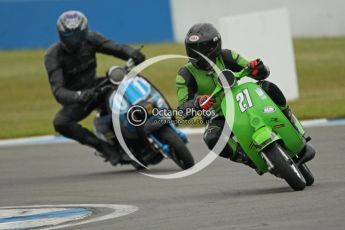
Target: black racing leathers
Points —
{"points": [[70, 72]]}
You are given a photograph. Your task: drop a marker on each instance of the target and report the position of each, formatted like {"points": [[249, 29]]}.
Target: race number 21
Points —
{"points": [[244, 100]]}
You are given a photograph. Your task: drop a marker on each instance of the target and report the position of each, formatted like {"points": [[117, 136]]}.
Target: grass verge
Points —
{"points": [[27, 106]]}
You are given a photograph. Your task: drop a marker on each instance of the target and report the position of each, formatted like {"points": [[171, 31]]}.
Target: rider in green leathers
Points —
{"points": [[197, 80]]}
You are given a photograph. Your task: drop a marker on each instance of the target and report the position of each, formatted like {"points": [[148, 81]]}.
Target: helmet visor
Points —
{"points": [[207, 48], [73, 39]]}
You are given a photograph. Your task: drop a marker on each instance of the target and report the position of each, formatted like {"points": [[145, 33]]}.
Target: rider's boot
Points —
{"points": [[108, 152], [239, 156]]}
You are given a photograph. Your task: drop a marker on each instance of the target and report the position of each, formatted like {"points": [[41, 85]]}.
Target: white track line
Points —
{"points": [[42, 140], [118, 211], [38, 222]]}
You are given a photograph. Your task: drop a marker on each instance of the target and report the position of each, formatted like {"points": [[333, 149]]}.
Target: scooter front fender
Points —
{"points": [[263, 137]]}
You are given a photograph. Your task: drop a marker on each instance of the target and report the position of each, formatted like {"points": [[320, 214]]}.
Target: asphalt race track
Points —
{"points": [[225, 195]]}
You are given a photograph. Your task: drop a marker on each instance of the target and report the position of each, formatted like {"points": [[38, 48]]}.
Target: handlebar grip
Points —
{"points": [[130, 64]]}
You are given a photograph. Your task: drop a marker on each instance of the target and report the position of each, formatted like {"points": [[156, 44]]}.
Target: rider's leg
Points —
{"points": [[232, 149], [66, 123], [278, 97]]}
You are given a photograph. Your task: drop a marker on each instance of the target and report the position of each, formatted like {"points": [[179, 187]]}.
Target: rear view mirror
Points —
{"points": [[228, 76]]}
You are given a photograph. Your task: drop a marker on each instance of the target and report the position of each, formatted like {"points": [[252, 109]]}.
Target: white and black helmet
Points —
{"points": [[72, 27]]}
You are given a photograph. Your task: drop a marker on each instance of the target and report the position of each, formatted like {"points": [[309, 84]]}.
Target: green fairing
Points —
{"points": [[298, 125], [260, 123], [261, 135], [264, 137]]}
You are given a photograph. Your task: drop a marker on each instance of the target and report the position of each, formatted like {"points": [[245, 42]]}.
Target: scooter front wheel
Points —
{"points": [[284, 167], [180, 153]]}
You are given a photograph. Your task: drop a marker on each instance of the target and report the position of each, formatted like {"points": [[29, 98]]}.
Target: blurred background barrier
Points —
{"points": [[267, 36], [309, 18], [31, 23]]}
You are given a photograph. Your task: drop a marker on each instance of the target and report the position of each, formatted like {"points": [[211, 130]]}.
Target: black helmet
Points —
{"points": [[72, 28], [204, 38]]}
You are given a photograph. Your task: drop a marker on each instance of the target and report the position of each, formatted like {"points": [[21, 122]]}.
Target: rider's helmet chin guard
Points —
{"points": [[72, 28], [116, 74], [205, 39]]}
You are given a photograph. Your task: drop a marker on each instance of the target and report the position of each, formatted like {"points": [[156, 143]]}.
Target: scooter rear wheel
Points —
{"points": [[308, 176]]}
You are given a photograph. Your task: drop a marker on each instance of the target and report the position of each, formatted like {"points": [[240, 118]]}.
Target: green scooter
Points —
{"points": [[271, 142]]}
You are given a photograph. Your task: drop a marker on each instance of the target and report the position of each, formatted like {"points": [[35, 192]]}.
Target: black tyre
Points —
{"points": [[137, 166], [156, 159], [308, 176], [283, 166], [180, 153]]}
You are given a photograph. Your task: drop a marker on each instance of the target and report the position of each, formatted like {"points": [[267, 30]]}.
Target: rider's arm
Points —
{"points": [[186, 91], [56, 80], [235, 62], [106, 46]]}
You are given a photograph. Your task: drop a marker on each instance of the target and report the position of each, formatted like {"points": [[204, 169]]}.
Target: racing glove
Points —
{"points": [[85, 95], [204, 102], [258, 70]]}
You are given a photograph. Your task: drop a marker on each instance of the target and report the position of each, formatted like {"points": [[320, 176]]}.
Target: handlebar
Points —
{"points": [[104, 85], [238, 75], [129, 65]]}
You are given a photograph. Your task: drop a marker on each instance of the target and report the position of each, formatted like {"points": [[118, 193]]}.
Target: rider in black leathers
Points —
{"points": [[71, 67]]}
